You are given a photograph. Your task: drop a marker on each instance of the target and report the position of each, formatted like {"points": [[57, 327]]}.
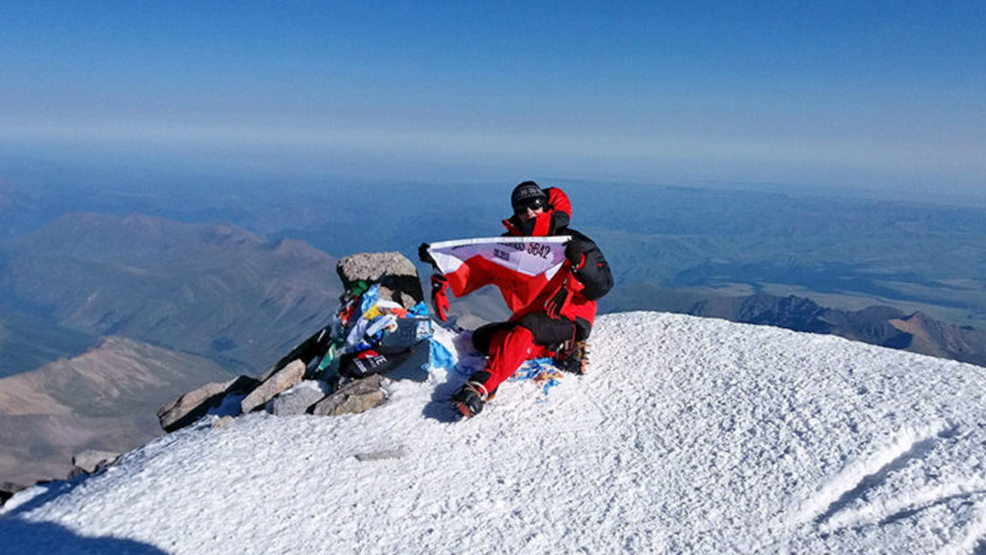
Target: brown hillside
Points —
{"points": [[103, 399]]}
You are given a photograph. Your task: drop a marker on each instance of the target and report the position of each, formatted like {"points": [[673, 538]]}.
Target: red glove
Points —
{"points": [[554, 305], [439, 296]]}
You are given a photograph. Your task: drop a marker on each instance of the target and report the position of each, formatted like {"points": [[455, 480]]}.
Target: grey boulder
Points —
{"points": [[8, 489], [299, 398], [397, 275], [196, 403], [353, 398], [280, 381], [91, 460]]}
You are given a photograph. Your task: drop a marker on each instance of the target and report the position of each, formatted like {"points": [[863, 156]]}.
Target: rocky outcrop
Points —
{"points": [[7, 490], [284, 390], [306, 352], [385, 454], [397, 275], [197, 403], [353, 398], [280, 381]]}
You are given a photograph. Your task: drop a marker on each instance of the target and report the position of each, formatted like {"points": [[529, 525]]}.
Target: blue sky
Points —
{"points": [[868, 94]]}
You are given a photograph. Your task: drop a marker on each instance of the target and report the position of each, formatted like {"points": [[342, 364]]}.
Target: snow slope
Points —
{"points": [[687, 435]]}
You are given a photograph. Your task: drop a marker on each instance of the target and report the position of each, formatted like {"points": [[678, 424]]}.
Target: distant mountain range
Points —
{"points": [[214, 290], [878, 325]]}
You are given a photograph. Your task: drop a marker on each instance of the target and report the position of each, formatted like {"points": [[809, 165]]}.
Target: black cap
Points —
{"points": [[527, 194]]}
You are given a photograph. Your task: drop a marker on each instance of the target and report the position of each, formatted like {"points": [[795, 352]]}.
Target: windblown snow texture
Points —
{"points": [[686, 435]]}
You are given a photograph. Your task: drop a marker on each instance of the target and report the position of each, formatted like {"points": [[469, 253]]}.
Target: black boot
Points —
{"points": [[469, 399], [573, 358]]}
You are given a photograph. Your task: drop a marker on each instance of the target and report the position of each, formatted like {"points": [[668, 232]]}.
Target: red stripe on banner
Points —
{"points": [[518, 290]]}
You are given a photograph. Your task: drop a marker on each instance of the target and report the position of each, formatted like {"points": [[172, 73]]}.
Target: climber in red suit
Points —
{"points": [[556, 323]]}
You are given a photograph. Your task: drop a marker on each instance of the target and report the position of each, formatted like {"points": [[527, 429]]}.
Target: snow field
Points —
{"points": [[686, 435]]}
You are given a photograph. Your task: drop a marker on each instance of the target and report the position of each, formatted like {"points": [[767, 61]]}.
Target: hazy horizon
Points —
{"points": [[860, 97]]}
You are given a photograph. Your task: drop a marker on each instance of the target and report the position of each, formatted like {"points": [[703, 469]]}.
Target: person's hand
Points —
{"points": [[425, 256], [439, 296], [575, 254], [554, 305]]}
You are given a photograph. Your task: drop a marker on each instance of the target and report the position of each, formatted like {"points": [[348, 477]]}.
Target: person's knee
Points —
{"points": [[482, 338], [548, 331], [519, 334]]}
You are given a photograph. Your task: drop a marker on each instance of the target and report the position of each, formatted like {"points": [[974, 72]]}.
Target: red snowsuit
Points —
{"points": [[531, 332]]}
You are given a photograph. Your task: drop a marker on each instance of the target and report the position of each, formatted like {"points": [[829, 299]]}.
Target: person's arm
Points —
{"points": [[589, 267]]}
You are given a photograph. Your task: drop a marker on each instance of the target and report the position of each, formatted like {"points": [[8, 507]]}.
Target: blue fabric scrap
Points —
{"points": [[369, 298], [539, 369], [439, 356]]}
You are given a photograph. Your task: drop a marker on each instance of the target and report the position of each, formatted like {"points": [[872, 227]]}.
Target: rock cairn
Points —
{"points": [[292, 385]]}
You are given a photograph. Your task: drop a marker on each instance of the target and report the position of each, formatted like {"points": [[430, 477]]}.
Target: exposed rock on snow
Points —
{"points": [[191, 406], [222, 422], [299, 399], [398, 276], [90, 460], [382, 455], [398, 281], [353, 398], [7, 490], [281, 380], [197, 403]]}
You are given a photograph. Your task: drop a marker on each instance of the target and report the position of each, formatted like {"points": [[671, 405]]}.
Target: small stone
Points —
{"points": [[222, 422], [90, 460], [385, 454]]}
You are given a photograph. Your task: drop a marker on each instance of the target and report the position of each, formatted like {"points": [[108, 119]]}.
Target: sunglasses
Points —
{"points": [[534, 204]]}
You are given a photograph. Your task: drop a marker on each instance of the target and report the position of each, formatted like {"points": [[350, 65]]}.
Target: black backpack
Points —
{"points": [[595, 274]]}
